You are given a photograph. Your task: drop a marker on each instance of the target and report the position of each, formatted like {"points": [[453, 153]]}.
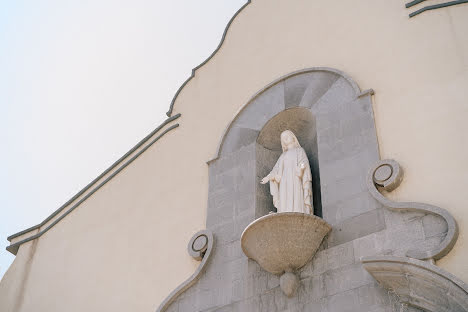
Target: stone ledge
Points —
{"points": [[418, 283]]}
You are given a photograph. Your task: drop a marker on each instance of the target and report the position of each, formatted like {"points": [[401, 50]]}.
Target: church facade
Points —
{"points": [[376, 94]]}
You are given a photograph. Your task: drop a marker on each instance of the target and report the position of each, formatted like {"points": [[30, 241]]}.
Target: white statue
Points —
{"points": [[291, 179]]}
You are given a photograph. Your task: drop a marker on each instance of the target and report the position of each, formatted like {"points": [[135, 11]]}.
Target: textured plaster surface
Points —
{"points": [[99, 257], [418, 69]]}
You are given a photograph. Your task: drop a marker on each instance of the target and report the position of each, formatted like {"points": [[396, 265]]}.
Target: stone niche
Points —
{"points": [[301, 122], [334, 122]]}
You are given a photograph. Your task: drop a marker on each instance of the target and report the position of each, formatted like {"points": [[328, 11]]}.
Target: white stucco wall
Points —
{"points": [[125, 247]]}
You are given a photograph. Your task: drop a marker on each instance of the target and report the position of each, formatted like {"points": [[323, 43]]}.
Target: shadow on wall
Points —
{"points": [[268, 149]]}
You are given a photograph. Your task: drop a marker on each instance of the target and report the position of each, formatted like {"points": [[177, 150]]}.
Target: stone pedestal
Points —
{"points": [[282, 243]]}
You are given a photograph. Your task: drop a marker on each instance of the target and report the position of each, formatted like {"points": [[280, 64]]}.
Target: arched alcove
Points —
{"points": [[301, 121], [334, 122]]}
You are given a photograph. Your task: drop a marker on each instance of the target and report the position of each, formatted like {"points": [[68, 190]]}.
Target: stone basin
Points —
{"points": [[282, 243]]}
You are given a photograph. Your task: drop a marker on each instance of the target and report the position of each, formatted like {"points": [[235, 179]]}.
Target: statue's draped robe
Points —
{"points": [[292, 192]]}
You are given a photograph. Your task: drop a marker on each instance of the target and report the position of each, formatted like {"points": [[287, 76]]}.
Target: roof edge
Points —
{"points": [[171, 107], [89, 186]]}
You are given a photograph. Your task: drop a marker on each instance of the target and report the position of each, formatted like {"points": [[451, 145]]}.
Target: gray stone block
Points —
{"points": [[262, 108], [295, 87], [434, 226], [245, 178], [222, 181], [316, 266], [341, 190], [273, 281], [230, 251], [373, 297], [242, 221], [347, 128], [250, 304], [238, 290], [343, 302], [220, 207], [225, 232], [319, 262], [346, 278], [369, 245], [333, 149], [256, 284], [306, 89], [319, 84], [312, 289], [355, 165], [234, 159], [356, 227], [238, 268], [205, 299], [398, 219], [245, 204], [228, 308], [267, 302], [352, 110], [187, 303], [344, 209], [340, 256], [283, 303], [314, 306], [400, 239], [237, 138], [337, 96]]}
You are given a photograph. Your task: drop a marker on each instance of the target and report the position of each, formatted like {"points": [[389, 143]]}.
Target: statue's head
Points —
{"points": [[288, 140]]}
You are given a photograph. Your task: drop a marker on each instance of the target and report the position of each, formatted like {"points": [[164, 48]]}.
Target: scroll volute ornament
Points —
{"points": [[388, 175]]}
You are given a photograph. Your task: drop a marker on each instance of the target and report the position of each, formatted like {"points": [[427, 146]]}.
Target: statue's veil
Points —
{"points": [[296, 142]]}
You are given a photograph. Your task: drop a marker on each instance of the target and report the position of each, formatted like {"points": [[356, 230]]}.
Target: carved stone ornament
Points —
{"points": [[199, 247], [388, 175], [282, 243], [417, 283]]}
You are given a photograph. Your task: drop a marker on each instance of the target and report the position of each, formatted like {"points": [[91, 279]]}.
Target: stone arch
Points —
{"points": [[344, 147], [320, 80]]}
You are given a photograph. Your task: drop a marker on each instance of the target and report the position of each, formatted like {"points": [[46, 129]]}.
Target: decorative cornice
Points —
{"points": [[171, 107], [13, 248], [410, 4], [388, 174], [431, 7], [199, 247], [418, 283]]}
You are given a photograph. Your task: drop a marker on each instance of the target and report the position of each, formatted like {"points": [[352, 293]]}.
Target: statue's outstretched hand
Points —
{"points": [[265, 180]]}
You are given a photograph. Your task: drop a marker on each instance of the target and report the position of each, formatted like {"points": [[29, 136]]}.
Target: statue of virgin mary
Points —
{"points": [[291, 179]]}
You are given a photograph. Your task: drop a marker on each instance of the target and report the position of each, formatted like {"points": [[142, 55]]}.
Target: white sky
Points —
{"points": [[81, 82]]}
